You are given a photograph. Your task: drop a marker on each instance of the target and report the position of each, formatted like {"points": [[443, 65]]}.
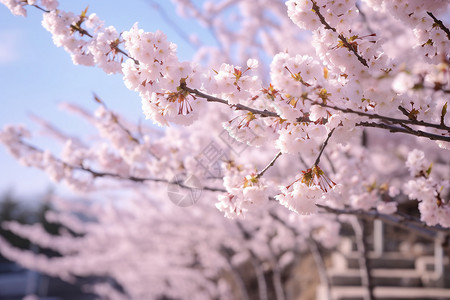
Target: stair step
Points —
{"points": [[389, 260], [385, 293], [380, 277], [426, 263]]}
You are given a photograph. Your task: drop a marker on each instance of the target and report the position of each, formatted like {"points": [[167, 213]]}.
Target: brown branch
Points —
{"points": [[40, 8], [263, 113], [440, 24], [209, 98], [340, 36]]}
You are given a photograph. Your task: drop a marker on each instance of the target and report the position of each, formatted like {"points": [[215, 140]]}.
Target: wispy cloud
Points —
{"points": [[9, 46]]}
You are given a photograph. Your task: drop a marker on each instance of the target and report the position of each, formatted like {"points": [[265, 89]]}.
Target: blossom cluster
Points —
{"points": [[155, 72], [430, 192], [245, 190], [306, 192], [99, 49]]}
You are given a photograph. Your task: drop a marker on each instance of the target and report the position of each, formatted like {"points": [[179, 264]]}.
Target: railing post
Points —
{"points": [[439, 259], [378, 237]]}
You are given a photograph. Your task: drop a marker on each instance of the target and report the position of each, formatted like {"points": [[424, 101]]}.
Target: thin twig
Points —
{"points": [[40, 8], [261, 173], [316, 163]]}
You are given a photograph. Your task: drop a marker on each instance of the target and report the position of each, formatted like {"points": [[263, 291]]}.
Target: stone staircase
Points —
{"points": [[400, 273]]}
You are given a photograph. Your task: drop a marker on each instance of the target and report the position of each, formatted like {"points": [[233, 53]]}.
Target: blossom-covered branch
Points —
{"points": [[350, 47]]}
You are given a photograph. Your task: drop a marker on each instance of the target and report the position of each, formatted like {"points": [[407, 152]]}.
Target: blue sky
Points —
{"points": [[36, 76]]}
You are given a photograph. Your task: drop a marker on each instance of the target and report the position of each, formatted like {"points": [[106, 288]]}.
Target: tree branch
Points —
{"points": [[209, 98], [261, 173], [40, 8], [263, 113]]}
